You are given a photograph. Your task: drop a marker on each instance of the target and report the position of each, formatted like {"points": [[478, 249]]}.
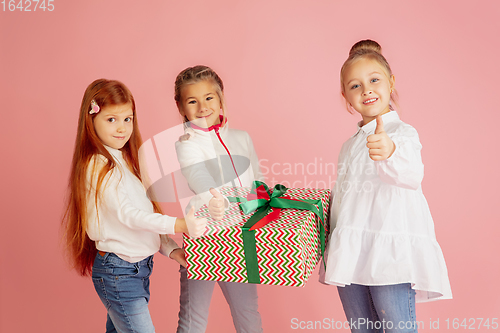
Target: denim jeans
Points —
{"points": [[123, 288], [195, 301], [377, 309]]}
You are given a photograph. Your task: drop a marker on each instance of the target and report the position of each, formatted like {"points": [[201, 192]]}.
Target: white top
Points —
{"points": [[205, 163], [125, 222], [384, 232]]}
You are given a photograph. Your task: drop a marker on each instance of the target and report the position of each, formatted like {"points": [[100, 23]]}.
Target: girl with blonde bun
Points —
{"points": [[382, 254]]}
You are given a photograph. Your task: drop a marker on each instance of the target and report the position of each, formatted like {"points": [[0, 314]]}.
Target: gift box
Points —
{"points": [[280, 246]]}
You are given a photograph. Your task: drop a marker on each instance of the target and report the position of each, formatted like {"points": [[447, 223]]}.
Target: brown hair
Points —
{"points": [[80, 247], [196, 74], [367, 49]]}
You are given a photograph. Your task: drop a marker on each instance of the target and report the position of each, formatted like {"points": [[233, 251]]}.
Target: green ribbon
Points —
{"points": [[262, 206]]}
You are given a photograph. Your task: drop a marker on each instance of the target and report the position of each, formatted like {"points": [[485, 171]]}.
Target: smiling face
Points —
{"points": [[367, 88], [200, 103], [114, 125]]}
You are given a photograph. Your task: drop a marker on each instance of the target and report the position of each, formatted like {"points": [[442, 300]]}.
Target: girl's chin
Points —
{"points": [[200, 122], [205, 122]]}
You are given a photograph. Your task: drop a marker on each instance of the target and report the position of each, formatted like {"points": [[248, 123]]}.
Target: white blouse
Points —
{"points": [[124, 221], [383, 232]]}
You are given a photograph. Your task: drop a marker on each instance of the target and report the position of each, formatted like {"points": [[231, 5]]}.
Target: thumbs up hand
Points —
{"points": [[380, 146], [216, 205], [195, 227]]}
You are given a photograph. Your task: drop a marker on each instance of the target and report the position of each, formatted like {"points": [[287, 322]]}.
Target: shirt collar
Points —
{"points": [[215, 127], [207, 132], [387, 118], [117, 154]]}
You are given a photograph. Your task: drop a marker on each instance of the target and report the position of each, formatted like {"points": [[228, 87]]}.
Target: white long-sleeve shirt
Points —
{"points": [[124, 221], [384, 232]]}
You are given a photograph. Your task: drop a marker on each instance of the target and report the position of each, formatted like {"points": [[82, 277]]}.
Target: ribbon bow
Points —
{"points": [[261, 200]]}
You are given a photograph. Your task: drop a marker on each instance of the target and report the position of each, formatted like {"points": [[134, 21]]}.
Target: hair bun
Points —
{"points": [[366, 45]]}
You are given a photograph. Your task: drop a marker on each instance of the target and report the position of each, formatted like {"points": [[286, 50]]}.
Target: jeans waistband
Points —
{"points": [[111, 257]]}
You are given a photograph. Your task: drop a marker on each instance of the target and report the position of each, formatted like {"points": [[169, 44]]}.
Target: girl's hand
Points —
{"points": [[381, 147], [195, 227], [190, 225], [180, 256], [216, 205]]}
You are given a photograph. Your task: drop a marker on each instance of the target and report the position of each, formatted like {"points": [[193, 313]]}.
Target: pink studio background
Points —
{"points": [[280, 62]]}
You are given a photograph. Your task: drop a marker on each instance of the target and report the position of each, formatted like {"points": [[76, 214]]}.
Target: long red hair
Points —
{"points": [[80, 247]]}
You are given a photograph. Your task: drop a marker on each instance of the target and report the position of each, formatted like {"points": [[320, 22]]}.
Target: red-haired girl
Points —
{"points": [[112, 229]]}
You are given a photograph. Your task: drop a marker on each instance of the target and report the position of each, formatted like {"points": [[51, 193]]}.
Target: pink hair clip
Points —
{"points": [[94, 108]]}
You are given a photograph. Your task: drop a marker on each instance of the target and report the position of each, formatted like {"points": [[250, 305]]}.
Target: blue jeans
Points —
{"points": [[377, 309], [123, 288]]}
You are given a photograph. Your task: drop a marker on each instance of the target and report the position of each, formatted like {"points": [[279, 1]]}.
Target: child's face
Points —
{"points": [[367, 88], [114, 125], [200, 103]]}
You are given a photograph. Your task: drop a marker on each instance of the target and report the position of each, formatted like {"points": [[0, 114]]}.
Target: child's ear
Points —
{"points": [[393, 82]]}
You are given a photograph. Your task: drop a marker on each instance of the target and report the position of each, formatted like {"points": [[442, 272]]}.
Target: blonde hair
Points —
{"points": [[196, 74], [368, 49]]}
